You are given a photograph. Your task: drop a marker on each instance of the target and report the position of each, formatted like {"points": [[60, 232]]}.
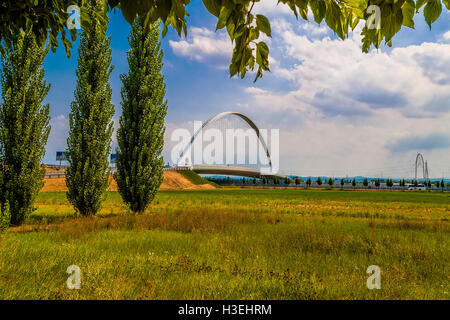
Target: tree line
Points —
{"points": [[24, 121], [287, 181]]}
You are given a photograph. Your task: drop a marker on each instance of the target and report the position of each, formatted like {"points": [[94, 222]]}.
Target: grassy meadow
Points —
{"points": [[234, 244]]}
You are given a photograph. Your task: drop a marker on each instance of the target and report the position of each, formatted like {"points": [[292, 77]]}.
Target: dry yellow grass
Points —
{"points": [[172, 181]]}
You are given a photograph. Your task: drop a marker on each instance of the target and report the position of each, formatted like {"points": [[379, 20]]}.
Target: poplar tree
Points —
{"points": [[91, 123], [141, 133], [24, 128], [330, 182]]}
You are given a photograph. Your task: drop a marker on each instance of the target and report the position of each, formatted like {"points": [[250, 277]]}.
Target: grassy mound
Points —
{"points": [[196, 179]]}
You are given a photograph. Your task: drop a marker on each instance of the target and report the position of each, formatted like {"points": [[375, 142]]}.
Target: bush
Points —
{"points": [[5, 216]]}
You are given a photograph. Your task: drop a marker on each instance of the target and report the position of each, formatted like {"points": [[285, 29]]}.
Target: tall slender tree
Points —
{"points": [[141, 132], [91, 123], [24, 128]]}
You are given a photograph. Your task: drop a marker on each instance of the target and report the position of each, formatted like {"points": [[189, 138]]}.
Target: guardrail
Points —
{"points": [[52, 175], [62, 174], [177, 169]]}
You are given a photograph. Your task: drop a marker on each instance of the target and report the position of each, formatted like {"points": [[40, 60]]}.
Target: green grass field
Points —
{"points": [[234, 244]]}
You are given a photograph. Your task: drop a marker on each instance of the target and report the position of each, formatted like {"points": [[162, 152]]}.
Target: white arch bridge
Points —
{"points": [[227, 169]]}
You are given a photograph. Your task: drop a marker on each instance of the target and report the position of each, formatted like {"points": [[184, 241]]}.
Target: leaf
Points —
{"points": [[420, 4], [432, 11], [262, 55], [129, 9], [408, 10], [263, 24], [234, 69], [333, 18], [355, 23], [391, 21], [318, 8], [225, 13], [447, 3], [357, 4], [213, 6], [113, 3]]}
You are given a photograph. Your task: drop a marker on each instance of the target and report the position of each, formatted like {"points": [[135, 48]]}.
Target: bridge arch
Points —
{"points": [[220, 116], [420, 161]]}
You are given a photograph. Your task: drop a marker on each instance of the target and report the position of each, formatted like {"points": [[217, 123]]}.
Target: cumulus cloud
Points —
{"points": [[330, 72], [339, 108], [358, 108], [205, 46], [272, 8], [417, 142], [445, 37]]}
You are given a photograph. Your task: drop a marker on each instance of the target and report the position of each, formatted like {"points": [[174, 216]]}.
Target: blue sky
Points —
{"points": [[340, 112]]}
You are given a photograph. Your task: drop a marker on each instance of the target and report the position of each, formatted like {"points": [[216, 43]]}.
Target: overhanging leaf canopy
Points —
{"points": [[47, 20]]}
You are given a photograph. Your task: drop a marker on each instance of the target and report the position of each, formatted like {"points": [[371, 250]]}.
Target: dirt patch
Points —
{"points": [[172, 181]]}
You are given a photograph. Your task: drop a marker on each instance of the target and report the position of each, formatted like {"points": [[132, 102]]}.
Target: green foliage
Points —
{"points": [[24, 127], [91, 126], [197, 179], [330, 182], [48, 19], [389, 183], [354, 182], [365, 182], [319, 181], [309, 182], [377, 183], [141, 132], [5, 216]]}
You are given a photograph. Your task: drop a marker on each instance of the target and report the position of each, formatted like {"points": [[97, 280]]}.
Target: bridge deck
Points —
{"points": [[231, 171]]}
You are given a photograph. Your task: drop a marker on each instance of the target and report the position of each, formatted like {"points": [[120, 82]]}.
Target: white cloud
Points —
{"points": [[205, 46], [345, 110], [445, 37], [348, 110], [271, 7], [335, 77]]}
